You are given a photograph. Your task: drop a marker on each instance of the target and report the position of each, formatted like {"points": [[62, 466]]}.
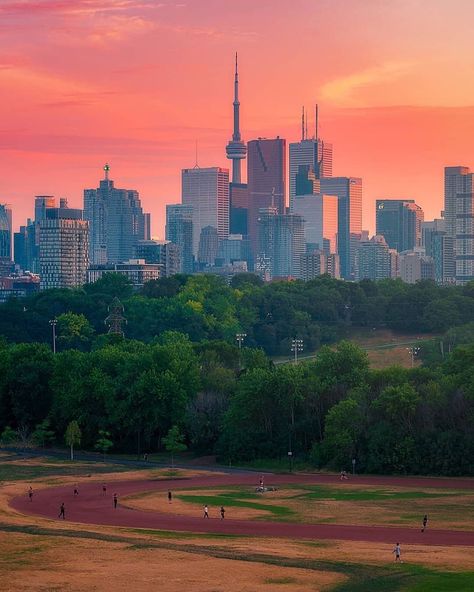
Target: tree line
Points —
{"points": [[213, 398], [206, 308]]}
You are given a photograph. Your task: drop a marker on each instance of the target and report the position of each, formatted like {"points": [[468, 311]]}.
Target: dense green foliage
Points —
{"points": [[204, 307], [178, 380]]}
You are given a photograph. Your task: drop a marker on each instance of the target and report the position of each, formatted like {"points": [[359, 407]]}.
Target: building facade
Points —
{"points": [[117, 222], [314, 153], [207, 192], [179, 230], [266, 176], [458, 180], [349, 194], [63, 248], [165, 253], [373, 259], [399, 221], [136, 270], [5, 237], [320, 215]]}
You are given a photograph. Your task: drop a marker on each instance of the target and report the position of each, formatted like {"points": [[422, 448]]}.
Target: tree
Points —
{"points": [[73, 436], [104, 443], [174, 442], [43, 434], [74, 330], [8, 436]]}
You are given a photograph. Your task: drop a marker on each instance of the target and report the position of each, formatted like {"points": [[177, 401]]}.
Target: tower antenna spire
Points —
{"points": [[236, 149], [316, 121], [106, 171], [196, 162], [302, 123]]}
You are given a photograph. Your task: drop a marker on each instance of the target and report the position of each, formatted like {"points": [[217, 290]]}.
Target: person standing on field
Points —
{"points": [[206, 512], [425, 522], [115, 501], [30, 493], [398, 552], [62, 511], [222, 513], [170, 496]]}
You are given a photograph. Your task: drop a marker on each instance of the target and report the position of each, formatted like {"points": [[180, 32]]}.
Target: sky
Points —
{"points": [[136, 83]]}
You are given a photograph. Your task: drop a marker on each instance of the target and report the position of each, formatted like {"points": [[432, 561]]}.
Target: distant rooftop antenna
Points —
{"points": [[302, 123], [316, 121], [106, 170], [196, 165]]}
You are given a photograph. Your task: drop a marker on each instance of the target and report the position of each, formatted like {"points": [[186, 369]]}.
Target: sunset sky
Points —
{"points": [[137, 82]]}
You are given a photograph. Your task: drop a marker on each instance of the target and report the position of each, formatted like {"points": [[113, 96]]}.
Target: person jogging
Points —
{"points": [[222, 513], [398, 552], [425, 522], [206, 512], [62, 511], [30, 494], [170, 496], [115, 500]]}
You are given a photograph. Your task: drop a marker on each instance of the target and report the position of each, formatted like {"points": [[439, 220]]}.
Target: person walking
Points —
{"points": [[170, 496], [398, 552], [115, 501], [222, 513], [62, 511], [425, 522], [76, 490], [30, 493], [206, 512], [104, 489]]}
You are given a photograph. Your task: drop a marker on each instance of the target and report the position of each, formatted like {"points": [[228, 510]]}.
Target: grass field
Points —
{"points": [[44, 555]]}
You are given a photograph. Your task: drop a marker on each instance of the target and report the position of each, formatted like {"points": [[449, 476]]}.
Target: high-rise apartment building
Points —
{"points": [[441, 250], [320, 215], [280, 242], [5, 232], [428, 228], [117, 221], [266, 174], [63, 248], [208, 246], [399, 221], [179, 230], [459, 216], [457, 180], [373, 259], [416, 266], [349, 193], [464, 242], [207, 191]]}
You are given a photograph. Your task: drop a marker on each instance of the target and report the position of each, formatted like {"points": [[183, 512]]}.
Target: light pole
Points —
{"points": [[413, 351], [240, 338], [53, 323], [296, 346]]}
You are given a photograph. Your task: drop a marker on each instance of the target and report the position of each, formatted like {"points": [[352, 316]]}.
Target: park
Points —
{"points": [[282, 531]]}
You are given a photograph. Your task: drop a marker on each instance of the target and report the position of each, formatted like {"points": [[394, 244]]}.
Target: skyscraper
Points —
{"points": [[280, 242], [349, 193], [207, 191], [464, 242], [266, 173], [117, 221], [208, 246], [236, 148], [312, 152], [373, 259], [5, 232], [179, 230], [457, 180], [319, 213], [63, 247], [399, 222]]}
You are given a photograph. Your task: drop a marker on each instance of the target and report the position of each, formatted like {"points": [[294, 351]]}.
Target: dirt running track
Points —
{"points": [[92, 507]]}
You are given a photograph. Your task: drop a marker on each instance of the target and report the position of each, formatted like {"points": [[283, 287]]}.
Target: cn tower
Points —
{"points": [[236, 149]]}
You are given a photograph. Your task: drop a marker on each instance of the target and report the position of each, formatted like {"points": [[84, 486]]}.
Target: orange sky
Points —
{"points": [[137, 82]]}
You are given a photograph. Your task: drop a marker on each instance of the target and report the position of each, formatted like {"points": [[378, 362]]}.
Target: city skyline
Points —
{"points": [[396, 113]]}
